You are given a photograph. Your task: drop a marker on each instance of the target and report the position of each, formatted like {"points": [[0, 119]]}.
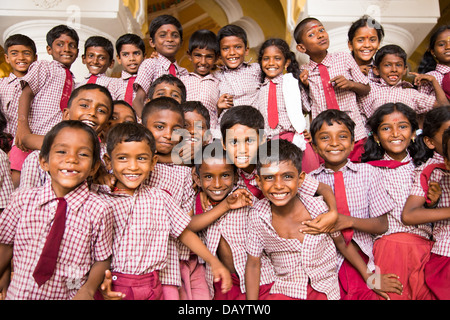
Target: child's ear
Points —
{"points": [[151, 43], [154, 161], [258, 181], [375, 71], [66, 114], [44, 164], [350, 46], [49, 50], [429, 143], [107, 160], [287, 64], [195, 177], [301, 179], [301, 48], [111, 65]]}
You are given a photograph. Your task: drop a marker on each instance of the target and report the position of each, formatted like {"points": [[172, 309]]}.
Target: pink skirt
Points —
{"points": [[437, 276], [406, 255], [17, 158], [236, 294], [193, 281], [351, 283]]}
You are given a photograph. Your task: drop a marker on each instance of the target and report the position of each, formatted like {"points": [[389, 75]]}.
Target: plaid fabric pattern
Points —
{"points": [[102, 80], [417, 189], [10, 91], [366, 197], [46, 80], [26, 222], [6, 184], [206, 90], [177, 181], [398, 183], [143, 224], [382, 93], [153, 68], [119, 88], [233, 227], [32, 175], [295, 263], [337, 63], [441, 229]]}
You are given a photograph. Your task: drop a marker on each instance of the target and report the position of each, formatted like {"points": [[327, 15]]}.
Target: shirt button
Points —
{"points": [[114, 278]]}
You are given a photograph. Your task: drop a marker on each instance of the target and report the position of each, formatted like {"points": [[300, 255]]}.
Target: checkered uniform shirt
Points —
{"points": [[295, 263], [120, 86], [337, 63], [10, 91], [284, 124], [153, 68], [27, 221], [233, 227], [143, 224], [382, 93], [6, 184], [242, 83], [177, 181], [46, 80], [441, 229], [102, 80], [439, 74], [366, 197], [206, 90], [398, 183]]}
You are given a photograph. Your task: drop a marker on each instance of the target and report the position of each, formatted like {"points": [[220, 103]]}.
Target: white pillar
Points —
{"points": [[34, 18]]}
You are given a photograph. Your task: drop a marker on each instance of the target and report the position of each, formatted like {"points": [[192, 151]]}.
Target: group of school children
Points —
{"points": [[268, 180]]}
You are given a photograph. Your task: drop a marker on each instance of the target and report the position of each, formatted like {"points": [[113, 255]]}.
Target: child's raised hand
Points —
{"points": [[304, 78], [342, 82], [365, 69], [239, 199], [434, 193], [422, 78], [383, 283], [105, 288], [307, 136], [225, 102], [323, 223], [154, 54]]}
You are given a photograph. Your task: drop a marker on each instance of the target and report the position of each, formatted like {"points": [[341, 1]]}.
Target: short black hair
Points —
{"points": [[162, 103], [57, 31], [276, 151], [98, 41], [91, 86], [298, 32], [161, 20], [130, 38], [197, 106], [204, 39], [389, 49], [213, 150], [20, 39], [445, 143], [51, 135], [129, 132], [231, 30], [244, 115], [172, 80], [328, 117]]}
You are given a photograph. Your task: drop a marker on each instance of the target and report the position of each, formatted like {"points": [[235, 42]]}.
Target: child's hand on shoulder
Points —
{"points": [[342, 82], [239, 199], [420, 79], [225, 102], [323, 223], [434, 194], [105, 288], [103, 177], [304, 75]]}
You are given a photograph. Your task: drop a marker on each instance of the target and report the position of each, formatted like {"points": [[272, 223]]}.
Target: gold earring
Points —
{"points": [[378, 143]]}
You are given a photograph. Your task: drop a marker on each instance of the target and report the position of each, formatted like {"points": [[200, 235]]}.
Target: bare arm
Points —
{"points": [[343, 83], [414, 212], [23, 127], [252, 277], [441, 98], [378, 225], [139, 101]]}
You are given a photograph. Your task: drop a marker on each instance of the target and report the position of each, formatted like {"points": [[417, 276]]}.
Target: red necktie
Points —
{"points": [[47, 261], [446, 84], [130, 90], [272, 106], [254, 190], [67, 90], [328, 89], [173, 70], [92, 79], [198, 204], [341, 202], [391, 164], [426, 175]]}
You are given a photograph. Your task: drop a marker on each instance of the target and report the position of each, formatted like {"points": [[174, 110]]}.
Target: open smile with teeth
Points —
{"points": [[89, 123], [69, 172], [280, 196], [132, 177], [242, 159]]}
